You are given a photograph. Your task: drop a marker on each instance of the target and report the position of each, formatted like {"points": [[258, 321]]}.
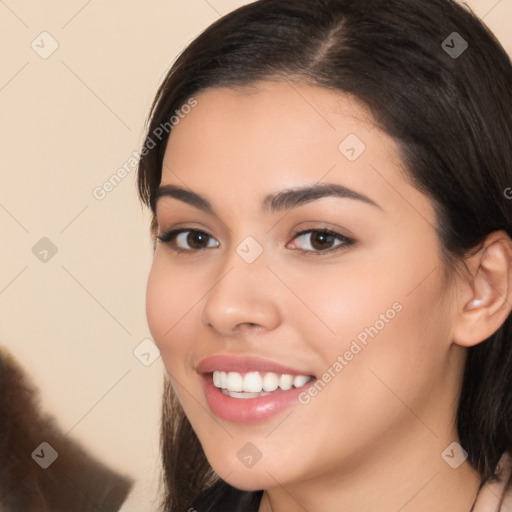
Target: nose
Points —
{"points": [[243, 296]]}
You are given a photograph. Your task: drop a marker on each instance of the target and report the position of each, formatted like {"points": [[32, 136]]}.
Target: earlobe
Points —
{"points": [[487, 300]]}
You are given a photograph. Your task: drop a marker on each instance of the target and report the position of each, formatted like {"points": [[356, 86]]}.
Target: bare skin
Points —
{"points": [[372, 438]]}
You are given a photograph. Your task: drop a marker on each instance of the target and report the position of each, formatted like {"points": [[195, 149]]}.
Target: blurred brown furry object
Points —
{"points": [[75, 482]]}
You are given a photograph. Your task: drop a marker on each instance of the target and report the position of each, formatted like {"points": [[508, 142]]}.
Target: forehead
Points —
{"points": [[282, 120], [278, 112], [259, 139]]}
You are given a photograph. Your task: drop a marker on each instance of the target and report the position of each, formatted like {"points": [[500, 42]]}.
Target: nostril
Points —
{"points": [[249, 325]]}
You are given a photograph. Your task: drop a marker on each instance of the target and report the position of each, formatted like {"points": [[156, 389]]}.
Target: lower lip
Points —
{"points": [[247, 411]]}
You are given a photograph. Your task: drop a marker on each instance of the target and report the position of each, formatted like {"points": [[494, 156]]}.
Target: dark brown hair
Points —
{"points": [[450, 112]]}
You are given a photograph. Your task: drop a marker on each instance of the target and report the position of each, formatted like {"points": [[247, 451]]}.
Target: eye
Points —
{"points": [[315, 241], [321, 241], [187, 240]]}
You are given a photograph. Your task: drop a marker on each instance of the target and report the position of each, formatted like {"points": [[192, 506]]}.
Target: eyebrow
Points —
{"points": [[284, 200]]}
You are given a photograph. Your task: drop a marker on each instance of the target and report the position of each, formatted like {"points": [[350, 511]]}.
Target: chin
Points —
{"points": [[263, 473]]}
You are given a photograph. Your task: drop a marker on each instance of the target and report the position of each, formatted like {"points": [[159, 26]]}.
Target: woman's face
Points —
{"points": [[363, 309]]}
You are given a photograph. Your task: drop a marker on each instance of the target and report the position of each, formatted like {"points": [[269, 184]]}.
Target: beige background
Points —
{"points": [[68, 122]]}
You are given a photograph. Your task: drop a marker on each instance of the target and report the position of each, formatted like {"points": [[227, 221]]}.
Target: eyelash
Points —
{"points": [[169, 237]]}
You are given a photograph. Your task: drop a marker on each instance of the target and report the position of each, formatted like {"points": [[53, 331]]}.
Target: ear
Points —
{"points": [[485, 294]]}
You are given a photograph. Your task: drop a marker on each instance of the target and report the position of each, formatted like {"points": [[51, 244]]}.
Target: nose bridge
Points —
{"points": [[241, 294]]}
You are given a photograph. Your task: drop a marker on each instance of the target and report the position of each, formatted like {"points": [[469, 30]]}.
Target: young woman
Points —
{"points": [[330, 183]]}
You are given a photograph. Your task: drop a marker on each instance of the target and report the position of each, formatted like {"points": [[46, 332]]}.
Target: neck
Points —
{"points": [[411, 477]]}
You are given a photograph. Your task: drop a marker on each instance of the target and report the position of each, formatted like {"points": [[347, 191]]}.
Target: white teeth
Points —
{"points": [[254, 384], [286, 382], [235, 382], [223, 379], [234, 394], [270, 382], [300, 380]]}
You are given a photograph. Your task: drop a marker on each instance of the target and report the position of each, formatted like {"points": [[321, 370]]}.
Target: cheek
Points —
{"points": [[381, 316], [170, 299], [157, 302], [392, 355], [335, 303]]}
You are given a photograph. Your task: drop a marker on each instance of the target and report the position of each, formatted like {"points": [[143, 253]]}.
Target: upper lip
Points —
{"points": [[244, 364]]}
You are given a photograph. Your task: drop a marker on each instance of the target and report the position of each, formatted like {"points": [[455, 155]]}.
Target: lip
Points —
{"points": [[247, 411]]}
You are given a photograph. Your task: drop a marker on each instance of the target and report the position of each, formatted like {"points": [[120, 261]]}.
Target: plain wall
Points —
{"points": [[68, 123]]}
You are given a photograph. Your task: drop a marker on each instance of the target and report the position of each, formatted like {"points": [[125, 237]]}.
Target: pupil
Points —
{"points": [[194, 239], [324, 239]]}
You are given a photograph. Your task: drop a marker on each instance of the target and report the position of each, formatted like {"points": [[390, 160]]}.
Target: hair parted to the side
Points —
{"points": [[452, 120]]}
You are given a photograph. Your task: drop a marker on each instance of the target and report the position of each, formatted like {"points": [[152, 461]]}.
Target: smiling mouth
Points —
{"points": [[256, 384]]}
